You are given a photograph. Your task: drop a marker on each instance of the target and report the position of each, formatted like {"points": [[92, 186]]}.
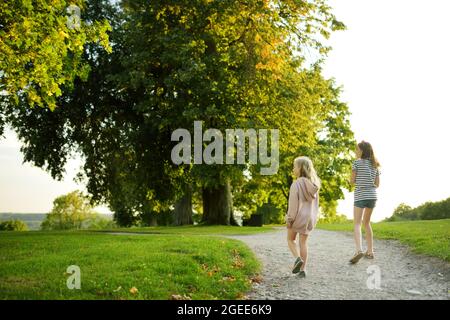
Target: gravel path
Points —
{"points": [[403, 274]]}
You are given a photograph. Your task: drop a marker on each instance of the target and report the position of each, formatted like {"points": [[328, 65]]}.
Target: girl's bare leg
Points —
{"points": [[357, 217], [291, 242], [368, 228], [303, 250]]}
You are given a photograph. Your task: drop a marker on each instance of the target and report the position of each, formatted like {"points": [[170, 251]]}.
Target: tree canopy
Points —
{"points": [[70, 211], [229, 64], [41, 48]]}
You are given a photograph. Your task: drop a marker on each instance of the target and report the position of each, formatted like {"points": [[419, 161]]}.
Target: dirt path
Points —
{"points": [[403, 274]]}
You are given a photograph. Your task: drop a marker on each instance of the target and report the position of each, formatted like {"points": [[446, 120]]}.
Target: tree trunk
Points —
{"points": [[183, 208], [123, 217], [153, 222], [218, 205], [149, 218]]}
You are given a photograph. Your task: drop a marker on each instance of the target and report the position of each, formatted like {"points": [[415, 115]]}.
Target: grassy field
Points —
{"points": [[195, 230], [431, 237], [33, 264]]}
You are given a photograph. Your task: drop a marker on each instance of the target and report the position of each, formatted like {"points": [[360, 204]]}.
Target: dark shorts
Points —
{"points": [[365, 203]]}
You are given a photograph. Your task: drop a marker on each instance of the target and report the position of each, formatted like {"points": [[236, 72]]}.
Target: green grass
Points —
{"points": [[33, 265], [196, 230], [430, 237]]}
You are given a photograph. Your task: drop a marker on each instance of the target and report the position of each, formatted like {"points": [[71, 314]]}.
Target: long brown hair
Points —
{"points": [[367, 153]]}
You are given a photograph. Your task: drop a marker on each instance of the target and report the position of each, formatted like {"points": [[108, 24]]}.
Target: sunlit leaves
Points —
{"points": [[40, 53]]}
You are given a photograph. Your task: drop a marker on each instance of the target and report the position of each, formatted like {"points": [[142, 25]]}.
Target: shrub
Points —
{"points": [[13, 225], [339, 218], [98, 222], [271, 213]]}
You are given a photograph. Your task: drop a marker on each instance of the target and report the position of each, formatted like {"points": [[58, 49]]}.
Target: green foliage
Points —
{"points": [[40, 52], [99, 222], [165, 218], [426, 211], [196, 217], [13, 225], [271, 213], [319, 128], [32, 220], [149, 219], [71, 211], [337, 218]]}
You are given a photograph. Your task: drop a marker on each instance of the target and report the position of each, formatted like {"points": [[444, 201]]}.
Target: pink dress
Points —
{"points": [[303, 209]]}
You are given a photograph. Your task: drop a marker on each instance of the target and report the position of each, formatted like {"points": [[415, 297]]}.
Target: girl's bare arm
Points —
{"points": [[353, 178]]}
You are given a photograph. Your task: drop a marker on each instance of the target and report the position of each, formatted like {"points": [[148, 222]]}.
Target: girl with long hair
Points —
{"points": [[303, 209], [366, 178]]}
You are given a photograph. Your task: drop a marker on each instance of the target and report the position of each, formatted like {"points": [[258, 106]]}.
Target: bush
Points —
{"points": [[197, 217], [271, 213], [98, 222], [339, 218], [13, 225], [151, 219]]}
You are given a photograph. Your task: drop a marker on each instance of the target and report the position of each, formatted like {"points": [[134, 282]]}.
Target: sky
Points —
{"points": [[28, 189], [393, 64]]}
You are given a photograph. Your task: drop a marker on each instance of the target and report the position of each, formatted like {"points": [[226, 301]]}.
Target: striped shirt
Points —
{"points": [[365, 179]]}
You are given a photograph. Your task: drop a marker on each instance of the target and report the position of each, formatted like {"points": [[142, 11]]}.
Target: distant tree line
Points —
{"points": [[427, 211]]}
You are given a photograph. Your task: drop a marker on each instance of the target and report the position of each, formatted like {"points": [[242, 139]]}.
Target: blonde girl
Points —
{"points": [[302, 211], [366, 178]]}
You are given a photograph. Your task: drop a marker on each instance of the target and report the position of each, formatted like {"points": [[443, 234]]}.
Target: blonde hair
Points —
{"points": [[305, 165]]}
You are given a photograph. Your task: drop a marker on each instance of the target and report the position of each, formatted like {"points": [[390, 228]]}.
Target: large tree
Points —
{"points": [[230, 64]]}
